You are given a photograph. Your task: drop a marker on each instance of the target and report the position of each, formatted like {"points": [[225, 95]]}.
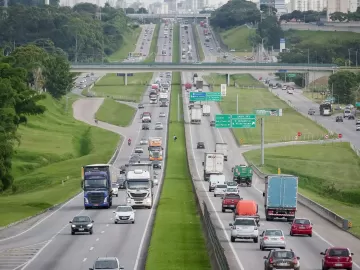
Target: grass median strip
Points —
{"points": [[328, 174], [176, 44], [113, 86], [283, 128], [177, 241], [47, 163], [115, 113], [153, 47], [198, 43]]}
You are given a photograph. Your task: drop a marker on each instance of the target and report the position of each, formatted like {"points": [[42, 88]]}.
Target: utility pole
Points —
{"points": [[308, 56], [262, 142]]}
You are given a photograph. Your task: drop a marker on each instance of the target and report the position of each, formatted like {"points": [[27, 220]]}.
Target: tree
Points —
{"points": [[142, 10], [59, 80], [270, 30], [130, 11], [343, 83]]}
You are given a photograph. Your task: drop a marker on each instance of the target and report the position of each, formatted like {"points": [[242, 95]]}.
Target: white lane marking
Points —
{"points": [[212, 205], [102, 231], [107, 225], [84, 260], [91, 248], [41, 221], [137, 261], [97, 239], [37, 254]]}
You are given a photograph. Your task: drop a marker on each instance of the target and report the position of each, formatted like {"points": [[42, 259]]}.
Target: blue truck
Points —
{"points": [[280, 196], [97, 182]]}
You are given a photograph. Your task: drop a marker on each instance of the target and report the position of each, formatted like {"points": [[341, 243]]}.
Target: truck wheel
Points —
{"points": [[209, 189], [86, 208], [256, 240], [223, 210], [232, 239], [214, 195]]}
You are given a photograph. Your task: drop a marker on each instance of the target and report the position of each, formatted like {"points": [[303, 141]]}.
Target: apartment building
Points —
{"points": [[278, 4], [305, 5]]}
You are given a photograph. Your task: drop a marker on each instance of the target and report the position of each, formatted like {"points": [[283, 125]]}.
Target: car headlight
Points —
{"points": [[128, 200], [148, 200], [105, 200], [73, 226], [89, 225]]}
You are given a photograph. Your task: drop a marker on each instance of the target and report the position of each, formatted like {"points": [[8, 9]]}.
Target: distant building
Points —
{"points": [[278, 4], [337, 6]]}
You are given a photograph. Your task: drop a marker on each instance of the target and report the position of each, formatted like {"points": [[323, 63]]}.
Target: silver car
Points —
{"points": [[109, 263], [143, 141], [124, 214], [158, 126], [272, 238], [220, 190], [232, 190]]}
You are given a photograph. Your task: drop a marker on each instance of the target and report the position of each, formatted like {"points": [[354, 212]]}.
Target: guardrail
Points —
{"points": [[334, 218]]}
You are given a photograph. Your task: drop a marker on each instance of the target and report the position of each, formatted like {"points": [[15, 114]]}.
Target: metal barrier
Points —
{"points": [[314, 206], [216, 250]]}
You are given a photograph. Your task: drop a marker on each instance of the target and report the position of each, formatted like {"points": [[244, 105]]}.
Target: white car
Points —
{"points": [[274, 87], [244, 228], [220, 190], [232, 190], [143, 141], [138, 150], [115, 189], [124, 214], [158, 126], [284, 87], [290, 91], [162, 114]]}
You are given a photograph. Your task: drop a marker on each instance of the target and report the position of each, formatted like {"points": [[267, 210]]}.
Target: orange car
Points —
{"points": [[247, 208]]}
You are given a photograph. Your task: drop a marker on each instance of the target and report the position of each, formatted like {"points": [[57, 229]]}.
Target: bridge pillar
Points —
{"points": [[126, 78], [228, 79]]}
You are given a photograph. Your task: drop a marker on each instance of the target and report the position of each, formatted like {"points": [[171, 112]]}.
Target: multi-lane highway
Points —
{"points": [[247, 255], [55, 247]]}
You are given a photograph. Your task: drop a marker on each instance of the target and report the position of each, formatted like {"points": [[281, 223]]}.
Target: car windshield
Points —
{"points": [[302, 221], [158, 123], [337, 252], [114, 185], [273, 233], [124, 209], [231, 190], [231, 184], [221, 186], [283, 254], [106, 264], [232, 196], [245, 222], [81, 219]]}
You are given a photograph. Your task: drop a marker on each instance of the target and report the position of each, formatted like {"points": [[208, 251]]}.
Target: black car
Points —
{"points": [[281, 259], [122, 169], [339, 119], [134, 159], [351, 117], [200, 145], [141, 106], [156, 164], [212, 123], [145, 127], [81, 224], [311, 112]]}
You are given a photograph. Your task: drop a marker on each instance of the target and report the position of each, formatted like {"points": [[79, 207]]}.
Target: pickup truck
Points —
{"points": [[230, 201]]}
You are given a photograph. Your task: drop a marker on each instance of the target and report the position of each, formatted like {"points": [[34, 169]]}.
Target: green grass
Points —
{"points": [[177, 241], [328, 174], [153, 47], [198, 44], [114, 87], [53, 148], [115, 113], [304, 37], [238, 38], [277, 129], [245, 80], [176, 44], [130, 39]]}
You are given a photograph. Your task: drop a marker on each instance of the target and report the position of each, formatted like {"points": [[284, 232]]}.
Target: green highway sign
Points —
{"points": [[291, 75], [268, 112], [357, 104], [205, 96], [235, 120]]}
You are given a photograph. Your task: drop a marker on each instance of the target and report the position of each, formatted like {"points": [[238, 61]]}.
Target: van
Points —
{"points": [[216, 179], [347, 113], [247, 208]]}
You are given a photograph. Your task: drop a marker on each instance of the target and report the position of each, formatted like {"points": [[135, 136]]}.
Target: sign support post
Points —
{"points": [[262, 141], [237, 104]]}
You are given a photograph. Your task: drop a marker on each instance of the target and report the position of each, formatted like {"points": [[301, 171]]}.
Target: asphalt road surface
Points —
{"points": [[247, 255], [48, 244]]}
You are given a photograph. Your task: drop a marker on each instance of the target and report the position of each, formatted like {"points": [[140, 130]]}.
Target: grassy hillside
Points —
{"points": [[238, 38], [53, 148], [115, 113], [130, 39]]}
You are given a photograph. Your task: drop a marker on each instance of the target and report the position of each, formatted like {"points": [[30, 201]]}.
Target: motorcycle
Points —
{"points": [[129, 143]]}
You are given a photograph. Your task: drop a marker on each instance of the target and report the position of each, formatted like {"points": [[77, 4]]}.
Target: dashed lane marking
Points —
{"points": [[15, 258]]}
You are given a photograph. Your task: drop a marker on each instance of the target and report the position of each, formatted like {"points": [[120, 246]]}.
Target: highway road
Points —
{"points": [[247, 255], [50, 241]]}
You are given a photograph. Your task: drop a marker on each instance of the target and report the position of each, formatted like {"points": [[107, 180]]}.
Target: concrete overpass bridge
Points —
{"points": [[312, 71], [168, 16]]}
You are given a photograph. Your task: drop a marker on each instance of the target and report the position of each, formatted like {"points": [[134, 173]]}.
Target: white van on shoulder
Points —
{"points": [[216, 179]]}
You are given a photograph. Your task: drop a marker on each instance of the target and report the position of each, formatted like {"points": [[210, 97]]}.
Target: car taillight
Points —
{"points": [[266, 238], [282, 238], [271, 260], [349, 259], [295, 260], [270, 212]]}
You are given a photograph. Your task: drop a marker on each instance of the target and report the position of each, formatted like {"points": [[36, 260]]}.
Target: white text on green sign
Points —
{"points": [[235, 121], [205, 96]]}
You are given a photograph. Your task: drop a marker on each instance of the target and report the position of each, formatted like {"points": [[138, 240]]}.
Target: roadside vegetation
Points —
{"points": [[177, 233], [115, 113], [176, 44], [198, 44], [153, 47], [328, 174], [113, 86], [238, 38], [251, 96], [129, 44], [53, 148]]}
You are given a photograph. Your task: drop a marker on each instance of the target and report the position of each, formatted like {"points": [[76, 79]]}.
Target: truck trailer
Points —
{"points": [[213, 164], [222, 148], [195, 115]]}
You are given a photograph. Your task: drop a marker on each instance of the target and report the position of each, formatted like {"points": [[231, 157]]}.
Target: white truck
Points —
{"points": [[139, 182], [222, 148], [213, 164], [199, 83], [216, 179], [206, 110], [195, 115], [165, 87], [164, 99]]}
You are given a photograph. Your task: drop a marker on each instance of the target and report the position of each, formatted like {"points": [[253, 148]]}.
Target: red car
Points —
{"points": [[301, 226], [337, 258]]}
